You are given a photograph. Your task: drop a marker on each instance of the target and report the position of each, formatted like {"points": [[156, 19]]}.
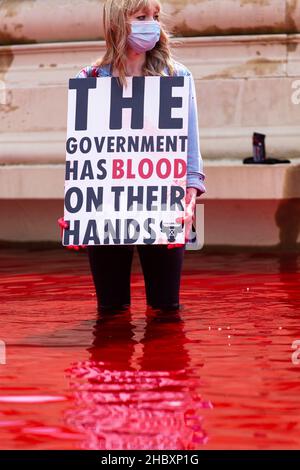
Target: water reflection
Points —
{"points": [[136, 391]]}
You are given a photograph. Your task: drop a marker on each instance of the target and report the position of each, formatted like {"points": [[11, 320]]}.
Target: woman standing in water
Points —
{"points": [[138, 45]]}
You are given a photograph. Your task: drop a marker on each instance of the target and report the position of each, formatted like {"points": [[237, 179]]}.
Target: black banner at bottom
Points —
{"points": [[138, 458]]}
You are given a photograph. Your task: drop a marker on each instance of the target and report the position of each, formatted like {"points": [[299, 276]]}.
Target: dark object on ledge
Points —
{"points": [[267, 161], [259, 152]]}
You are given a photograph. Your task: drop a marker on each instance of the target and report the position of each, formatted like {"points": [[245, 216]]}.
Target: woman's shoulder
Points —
{"points": [[94, 71], [104, 70], [180, 69]]}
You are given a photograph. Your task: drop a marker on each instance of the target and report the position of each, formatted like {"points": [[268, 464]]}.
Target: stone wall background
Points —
{"points": [[37, 21], [245, 58]]}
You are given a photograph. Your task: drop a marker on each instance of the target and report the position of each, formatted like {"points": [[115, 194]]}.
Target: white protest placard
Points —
{"points": [[126, 160]]}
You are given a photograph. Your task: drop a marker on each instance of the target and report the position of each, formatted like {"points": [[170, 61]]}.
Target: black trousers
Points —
{"points": [[111, 267]]}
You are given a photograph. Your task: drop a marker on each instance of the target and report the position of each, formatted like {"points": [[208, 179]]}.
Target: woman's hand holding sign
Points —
{"points": [[64, 225], [190, 206]]}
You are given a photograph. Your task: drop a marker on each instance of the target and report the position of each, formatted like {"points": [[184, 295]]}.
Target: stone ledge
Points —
{"points": [[225, 179], [48, 146], [208, 56]]}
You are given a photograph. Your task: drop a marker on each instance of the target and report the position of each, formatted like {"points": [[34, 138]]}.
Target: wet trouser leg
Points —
{"points": [[162, 269], [111, 267]]}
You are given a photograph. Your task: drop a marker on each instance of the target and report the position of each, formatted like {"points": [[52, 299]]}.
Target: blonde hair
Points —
{"points": [[116, 29]]}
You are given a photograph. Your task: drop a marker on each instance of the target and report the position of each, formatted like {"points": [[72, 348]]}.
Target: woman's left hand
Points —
{"points": [[190, 205]]}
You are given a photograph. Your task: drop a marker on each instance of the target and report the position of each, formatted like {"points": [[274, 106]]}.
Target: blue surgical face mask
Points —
{"points": [[144, 35]]}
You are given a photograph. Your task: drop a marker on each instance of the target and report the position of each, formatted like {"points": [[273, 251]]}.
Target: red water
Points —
{"points": [[219, 376]]}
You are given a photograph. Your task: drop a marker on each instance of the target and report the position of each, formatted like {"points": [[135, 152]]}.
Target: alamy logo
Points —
{"points": [[296, 354], [2, 353], [196, 237], [296, 94], [2, 92], [171, 230]]}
